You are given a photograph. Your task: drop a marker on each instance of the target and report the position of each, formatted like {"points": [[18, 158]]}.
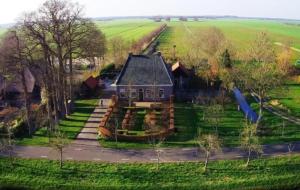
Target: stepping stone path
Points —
{"points": [[89, 133]]}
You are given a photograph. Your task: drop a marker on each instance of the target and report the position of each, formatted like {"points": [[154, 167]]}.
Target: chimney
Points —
{"points": [[158, 53]]}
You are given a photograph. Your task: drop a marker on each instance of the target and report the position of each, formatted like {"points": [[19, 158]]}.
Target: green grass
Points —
{"points": [[280, 173], [239, 32], [289, 98], [71, 126], [189, 119], [128, 29]]}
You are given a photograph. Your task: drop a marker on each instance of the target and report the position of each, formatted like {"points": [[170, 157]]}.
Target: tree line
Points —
{"points": [[48, 40]]}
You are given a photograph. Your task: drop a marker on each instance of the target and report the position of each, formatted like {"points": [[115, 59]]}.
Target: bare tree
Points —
{"points": [[156, 143], [119, 49], [16, 57], [250, 141], [259, 79], [7, 141], [61, 33], [261, 49], [214, 115], [209, 143], [58, 142]]}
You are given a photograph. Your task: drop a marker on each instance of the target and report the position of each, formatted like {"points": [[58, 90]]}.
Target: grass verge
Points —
{"points": [[268, 173]]}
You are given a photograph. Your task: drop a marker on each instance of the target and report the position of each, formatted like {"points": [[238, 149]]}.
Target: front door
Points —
{"points": [[141, 95]]}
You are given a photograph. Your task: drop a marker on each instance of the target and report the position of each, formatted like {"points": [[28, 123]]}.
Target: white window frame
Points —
{"points": [[123, 93], [133, 93], [148, 93]]}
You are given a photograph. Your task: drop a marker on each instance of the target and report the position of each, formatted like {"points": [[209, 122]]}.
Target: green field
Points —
{"points": [[239, 32], [128, 29], [2, 31], [289, 98], [280, 173]]}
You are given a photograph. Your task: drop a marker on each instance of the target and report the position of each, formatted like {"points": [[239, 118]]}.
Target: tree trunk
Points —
{"points": [[71, 77], [261, 107], [223, 97], [61, 158], [206, 161], [27, 101], [158, 161], [248, 159]]}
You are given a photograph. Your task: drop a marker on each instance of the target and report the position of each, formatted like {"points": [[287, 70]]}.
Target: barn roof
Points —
{"points": [[144, 70], [180, 67], [91, 82]]}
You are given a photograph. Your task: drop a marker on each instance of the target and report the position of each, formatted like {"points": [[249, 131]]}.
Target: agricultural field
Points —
{"points": [[239, 32], [2, 31], [128, 29]]}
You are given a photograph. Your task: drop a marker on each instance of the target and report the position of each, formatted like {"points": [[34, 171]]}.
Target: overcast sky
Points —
{"points": [[11, 9]]}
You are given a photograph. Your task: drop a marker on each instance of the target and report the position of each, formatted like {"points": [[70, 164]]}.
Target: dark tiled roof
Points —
{"points": [[145, 70]]}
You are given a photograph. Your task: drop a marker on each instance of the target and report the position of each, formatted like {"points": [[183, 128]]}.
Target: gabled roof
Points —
{"points": [[144, 70], [178, 66], [16, 86], [91, 82]]}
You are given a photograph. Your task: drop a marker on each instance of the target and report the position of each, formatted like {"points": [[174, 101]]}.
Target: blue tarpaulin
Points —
{"points": [[244, 106]]}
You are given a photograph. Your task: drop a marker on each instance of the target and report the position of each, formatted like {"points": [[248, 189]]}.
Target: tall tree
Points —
{"points": [[226, 59], [262, 49], [260, 79], [119, 50], [16, 58], [60, 31]]}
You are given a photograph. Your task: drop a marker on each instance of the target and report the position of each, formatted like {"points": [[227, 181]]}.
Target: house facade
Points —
{"points": [[145, 78]]}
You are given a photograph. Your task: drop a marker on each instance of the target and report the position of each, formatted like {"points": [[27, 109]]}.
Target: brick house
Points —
{"points": [[145, 78]]}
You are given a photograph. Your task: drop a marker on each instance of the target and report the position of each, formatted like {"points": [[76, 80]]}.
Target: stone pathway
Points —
{"points": [[89, 133]]}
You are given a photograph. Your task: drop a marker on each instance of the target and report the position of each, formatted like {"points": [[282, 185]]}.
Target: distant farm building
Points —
{"points": [[181, 76]]}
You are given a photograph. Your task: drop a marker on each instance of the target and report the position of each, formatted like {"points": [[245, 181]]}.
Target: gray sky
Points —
{"points": [[10, 10]]}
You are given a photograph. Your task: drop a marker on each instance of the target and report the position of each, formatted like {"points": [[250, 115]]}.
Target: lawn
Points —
{"points": [[239, 32], [289, 98], [71, 126], [280, 173], [189, 119]]}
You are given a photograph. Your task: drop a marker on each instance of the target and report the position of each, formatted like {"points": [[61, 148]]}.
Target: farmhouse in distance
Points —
{"points": [[145, 78]]}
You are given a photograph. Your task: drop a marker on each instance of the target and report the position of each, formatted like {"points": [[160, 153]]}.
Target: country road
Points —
{"points": [[99, 154]]}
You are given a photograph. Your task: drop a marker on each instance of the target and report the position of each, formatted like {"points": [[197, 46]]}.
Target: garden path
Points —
{"points": [[89, 133]]}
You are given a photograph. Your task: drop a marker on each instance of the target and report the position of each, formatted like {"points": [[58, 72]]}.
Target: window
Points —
{"points": [[133, 93], [161, 93], [148, 93], [123, 93]]}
